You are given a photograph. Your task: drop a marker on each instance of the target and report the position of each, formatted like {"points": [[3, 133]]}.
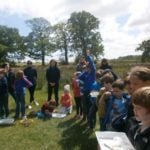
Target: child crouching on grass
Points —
{"points": [[66, 101], [48, 108], [139, 134]]}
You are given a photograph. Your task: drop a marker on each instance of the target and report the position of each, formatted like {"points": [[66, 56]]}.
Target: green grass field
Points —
{"points": [[53, 134]]}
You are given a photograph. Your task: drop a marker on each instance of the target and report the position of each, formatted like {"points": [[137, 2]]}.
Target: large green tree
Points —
{"points": [[84, 28], [11, 44], [62, 39], [145, 48], [38, 41]]}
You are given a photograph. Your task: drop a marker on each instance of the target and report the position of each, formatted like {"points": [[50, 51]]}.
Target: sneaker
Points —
{"points": [[24, 118], [30, 107], [36, 103]]}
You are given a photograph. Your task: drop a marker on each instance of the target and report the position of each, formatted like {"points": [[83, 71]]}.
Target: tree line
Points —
{"points": [[77, 34]]}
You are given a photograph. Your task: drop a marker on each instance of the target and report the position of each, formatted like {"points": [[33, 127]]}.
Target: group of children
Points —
{"points": [[15, 83], [19, 86], [122, 105]]}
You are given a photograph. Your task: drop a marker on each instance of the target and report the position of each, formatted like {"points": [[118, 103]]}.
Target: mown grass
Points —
{"points": [[53, 134]]}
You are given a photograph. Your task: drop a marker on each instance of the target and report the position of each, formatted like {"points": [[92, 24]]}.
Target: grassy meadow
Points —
{"points": [[52, 134]]}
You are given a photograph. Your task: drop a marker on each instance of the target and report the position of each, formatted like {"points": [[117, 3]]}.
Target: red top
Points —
{"points": [[76, 88], [66, 100], [50, 106]]}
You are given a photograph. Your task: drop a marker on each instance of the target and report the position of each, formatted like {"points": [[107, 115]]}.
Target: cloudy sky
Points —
{"points": [[123, 23]]}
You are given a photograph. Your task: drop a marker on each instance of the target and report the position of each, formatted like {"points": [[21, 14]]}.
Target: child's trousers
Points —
{"points": [[4, 111]]}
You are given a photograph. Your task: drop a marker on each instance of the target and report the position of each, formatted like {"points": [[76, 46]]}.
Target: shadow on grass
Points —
{"points": [[76, 136], [6, 126]]}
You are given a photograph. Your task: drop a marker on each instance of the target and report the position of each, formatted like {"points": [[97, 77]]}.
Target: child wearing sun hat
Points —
{"points": [[66, 101]]}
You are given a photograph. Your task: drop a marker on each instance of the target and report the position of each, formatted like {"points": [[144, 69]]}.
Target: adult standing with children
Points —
{"points": [[4, 111], [139, 76], [10, 76], [31, 74], [81, 64], [53, 77], [104, 64]]}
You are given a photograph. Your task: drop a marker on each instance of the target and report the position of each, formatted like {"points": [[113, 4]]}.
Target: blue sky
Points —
{"points": [[124, 24], [16, 22]]}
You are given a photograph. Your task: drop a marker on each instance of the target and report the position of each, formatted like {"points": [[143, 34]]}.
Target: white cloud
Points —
{"points": [[124, 24]]}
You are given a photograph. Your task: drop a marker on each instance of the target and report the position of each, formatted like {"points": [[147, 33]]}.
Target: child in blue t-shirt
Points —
{"points": [[118, 106], [96, 86]]}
